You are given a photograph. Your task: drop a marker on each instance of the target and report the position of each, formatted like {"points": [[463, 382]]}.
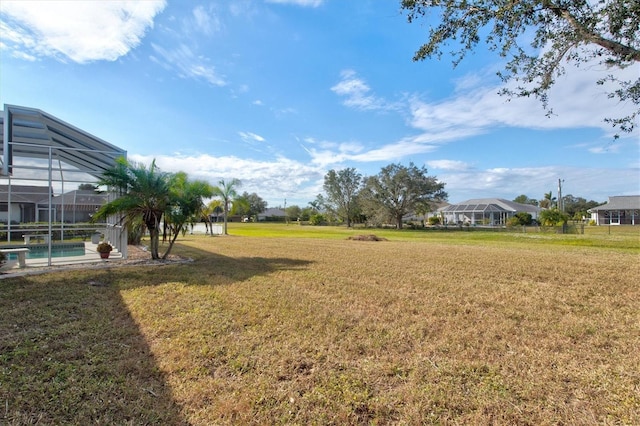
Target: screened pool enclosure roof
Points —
{"points": [[34, 134], [487, 205], [473, 208]]}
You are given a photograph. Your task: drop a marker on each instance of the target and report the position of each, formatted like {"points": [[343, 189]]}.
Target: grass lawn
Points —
{"points": [[279, 324]]}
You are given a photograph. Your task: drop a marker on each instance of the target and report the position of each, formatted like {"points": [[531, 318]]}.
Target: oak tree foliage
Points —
{"points": [[538, 37], [342, 189], [399, 190]]}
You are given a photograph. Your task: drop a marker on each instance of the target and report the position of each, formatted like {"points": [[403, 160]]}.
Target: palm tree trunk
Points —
{"points": [[154, 243], [226, 213]]}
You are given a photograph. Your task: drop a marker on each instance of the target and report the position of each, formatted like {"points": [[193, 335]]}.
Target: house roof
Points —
{"points": [[620, 202], [32, 133], [78, 197], [273, 212], [23, 193], [478, 205]]}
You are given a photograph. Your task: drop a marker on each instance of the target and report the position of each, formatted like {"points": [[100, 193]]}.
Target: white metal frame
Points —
{"points": [[40, 149]]}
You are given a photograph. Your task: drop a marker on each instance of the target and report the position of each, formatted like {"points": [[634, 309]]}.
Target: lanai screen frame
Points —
{"points": [[54, 148], [487, 210]]}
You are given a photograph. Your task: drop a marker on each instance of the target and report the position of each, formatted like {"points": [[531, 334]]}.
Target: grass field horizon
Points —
{"points": [[276, 325]]}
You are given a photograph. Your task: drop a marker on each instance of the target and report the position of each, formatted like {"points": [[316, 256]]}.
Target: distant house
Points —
{"points": [[272, 215], [21, 205], [76, 206], [31, 203], [486, 211], [619, 210], [434, 210]]}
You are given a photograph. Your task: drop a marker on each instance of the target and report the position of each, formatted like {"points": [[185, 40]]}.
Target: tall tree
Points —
{"points": [[249, 205], [576, 207], [186, 204], [294, 212], [398, 190], [240, 207], [142, 193], [342, 189], [88, 187], [226, 190], [558, 32], [523, 199]]}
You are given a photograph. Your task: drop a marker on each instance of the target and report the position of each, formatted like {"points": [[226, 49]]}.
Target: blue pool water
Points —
{"points": [[42, 252]]}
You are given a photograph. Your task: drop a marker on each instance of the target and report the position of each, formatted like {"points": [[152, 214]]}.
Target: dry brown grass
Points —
{"points": [[282, 331]]}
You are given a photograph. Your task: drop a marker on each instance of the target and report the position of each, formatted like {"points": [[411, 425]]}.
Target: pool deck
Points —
{"points": [[90, 256]]}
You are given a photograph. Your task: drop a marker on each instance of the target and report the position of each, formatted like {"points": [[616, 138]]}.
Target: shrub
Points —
{"points": [[317, 219], [433, 220], [553, 217]]}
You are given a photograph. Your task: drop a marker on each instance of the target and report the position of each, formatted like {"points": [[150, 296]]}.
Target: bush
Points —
{"points": [[520, 219], [317, 219], [433, 220], [553, 217]]}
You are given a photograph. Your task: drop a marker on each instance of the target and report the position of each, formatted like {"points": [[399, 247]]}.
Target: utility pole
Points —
{"points": [[560, 203], [286, 218]]}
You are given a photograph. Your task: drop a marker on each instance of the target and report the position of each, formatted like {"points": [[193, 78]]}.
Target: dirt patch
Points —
{"points": [[369, 237]]}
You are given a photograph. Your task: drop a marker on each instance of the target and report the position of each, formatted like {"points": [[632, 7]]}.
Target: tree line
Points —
{"points": [[386, 197], [161, 203]]}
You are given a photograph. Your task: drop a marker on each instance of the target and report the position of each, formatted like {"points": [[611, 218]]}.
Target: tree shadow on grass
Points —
{"points": [[70, 352], [207, 268]]}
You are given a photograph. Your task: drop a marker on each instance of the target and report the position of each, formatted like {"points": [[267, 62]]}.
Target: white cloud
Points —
{"points": [[205, 21], [476, 108], [78, 31], [251, 137], [188, 64], [272, 180], [181, 51], [506, 182], [576, 100], [304, 3], [330, 153], [357, 93], [448, 165]]}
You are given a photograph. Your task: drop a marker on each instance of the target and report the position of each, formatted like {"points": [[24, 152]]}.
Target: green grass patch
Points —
{"points": [[616, 237]]}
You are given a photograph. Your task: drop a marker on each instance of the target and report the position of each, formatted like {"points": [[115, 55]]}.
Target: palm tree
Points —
{"points": [[213, 208], [226, 191], [186, 204], [142, 193], [548, 200]]}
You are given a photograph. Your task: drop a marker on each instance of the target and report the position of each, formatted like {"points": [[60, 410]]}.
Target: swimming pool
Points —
{"points": [[41, 251]]}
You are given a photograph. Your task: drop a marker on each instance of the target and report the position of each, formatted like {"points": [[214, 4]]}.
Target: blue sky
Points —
{"points": [[278, 92]]}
